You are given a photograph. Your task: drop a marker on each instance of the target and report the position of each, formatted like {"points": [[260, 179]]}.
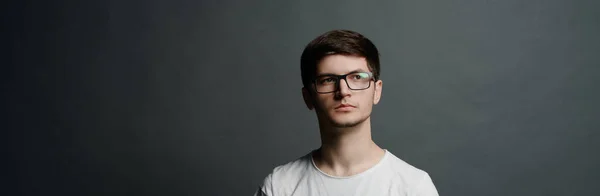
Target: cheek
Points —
{"points": [[367, 99], [321, 103]]}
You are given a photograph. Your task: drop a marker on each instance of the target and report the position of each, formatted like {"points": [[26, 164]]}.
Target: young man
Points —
{"points": [[340, 73]]}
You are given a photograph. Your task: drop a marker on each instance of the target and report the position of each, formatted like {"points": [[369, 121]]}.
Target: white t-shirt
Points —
{"points": [[391, 176]]}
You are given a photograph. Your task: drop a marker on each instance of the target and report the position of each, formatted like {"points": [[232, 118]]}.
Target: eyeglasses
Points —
{"points": [[355, 81]]}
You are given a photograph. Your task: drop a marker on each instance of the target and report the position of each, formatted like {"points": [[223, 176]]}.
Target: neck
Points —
{"points": [[347, 151]]}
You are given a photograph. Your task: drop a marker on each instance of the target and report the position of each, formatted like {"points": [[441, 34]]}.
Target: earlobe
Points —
{"points": [[307, 98]]}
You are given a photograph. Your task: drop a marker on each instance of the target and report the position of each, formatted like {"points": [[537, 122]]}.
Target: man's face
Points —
{"points": [[344, 107]]}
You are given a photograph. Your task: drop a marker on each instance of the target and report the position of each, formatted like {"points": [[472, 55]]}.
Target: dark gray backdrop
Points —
{"points": [[203, 97]]}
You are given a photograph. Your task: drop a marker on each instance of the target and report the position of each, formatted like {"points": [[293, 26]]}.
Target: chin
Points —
{"points": [[346, 122]]}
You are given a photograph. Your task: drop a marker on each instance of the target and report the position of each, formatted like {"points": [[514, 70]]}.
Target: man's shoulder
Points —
{"points": [[296, 166], [293, 169], [404, 171], [398, 164], [285, 174]]}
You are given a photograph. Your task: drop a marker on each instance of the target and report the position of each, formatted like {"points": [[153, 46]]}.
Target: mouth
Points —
{"points": [[344, 106]]}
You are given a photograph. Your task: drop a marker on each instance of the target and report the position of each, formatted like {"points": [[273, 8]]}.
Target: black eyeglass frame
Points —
{"points": [[340, 77]]}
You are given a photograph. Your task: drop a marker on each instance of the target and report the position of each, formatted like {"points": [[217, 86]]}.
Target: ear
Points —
{"points": [[378, 88], [308, 100]]}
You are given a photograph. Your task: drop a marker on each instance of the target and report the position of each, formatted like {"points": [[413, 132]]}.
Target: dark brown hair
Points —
{"points": [[344, 42]]}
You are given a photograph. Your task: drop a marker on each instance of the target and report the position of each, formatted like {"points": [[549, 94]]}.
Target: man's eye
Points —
{"points": [[327, 80], [359, 76]]}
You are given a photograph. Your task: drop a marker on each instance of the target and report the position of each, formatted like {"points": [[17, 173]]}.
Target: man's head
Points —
{"points": [[341, 68]]}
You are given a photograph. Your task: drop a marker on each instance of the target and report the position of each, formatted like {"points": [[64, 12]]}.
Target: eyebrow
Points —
{"points": [[331, 74]]}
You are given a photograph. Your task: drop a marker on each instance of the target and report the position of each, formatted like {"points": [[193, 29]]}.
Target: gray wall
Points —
{"points": [[203, 97]]}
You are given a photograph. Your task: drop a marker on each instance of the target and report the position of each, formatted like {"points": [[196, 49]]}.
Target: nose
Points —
{"points": [[343, 89]]}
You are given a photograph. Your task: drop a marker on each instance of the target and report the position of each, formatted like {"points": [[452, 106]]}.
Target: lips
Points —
{"points": [[344, 106]]}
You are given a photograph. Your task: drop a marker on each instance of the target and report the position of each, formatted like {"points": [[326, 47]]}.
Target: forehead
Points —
{"points": [[341, 64]]}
